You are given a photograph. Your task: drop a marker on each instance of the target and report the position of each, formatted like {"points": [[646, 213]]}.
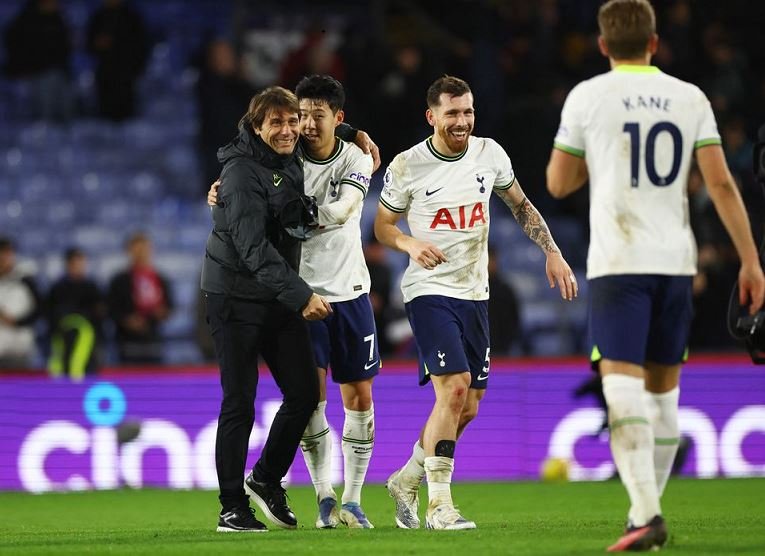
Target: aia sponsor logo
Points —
{"points": [[460, 218]]}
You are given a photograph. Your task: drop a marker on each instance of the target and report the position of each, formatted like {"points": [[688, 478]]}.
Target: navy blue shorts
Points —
{"points": [[346, 341], [452, 336], [640, 317]]}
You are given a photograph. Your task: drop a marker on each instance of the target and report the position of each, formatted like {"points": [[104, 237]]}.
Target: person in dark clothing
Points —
{"points": [[75, 308], [38, 47], [222, 94], [139, 301], [117, 38], [257, 303], [19, 309], [504, 311]]}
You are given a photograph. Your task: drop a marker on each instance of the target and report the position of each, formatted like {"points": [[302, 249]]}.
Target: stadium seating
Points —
{"points": [[90, 182]]}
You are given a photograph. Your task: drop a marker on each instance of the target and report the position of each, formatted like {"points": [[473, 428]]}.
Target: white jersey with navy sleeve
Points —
{"points": [[446, 201], [332, 260], [637, 129]]}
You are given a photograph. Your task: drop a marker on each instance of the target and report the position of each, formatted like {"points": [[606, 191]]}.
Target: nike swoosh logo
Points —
{"points": [[479, 377], [370, 365], [277, 180], [429, 193]]}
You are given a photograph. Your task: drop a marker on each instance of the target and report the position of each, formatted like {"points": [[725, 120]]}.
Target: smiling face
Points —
{"points": [[279, 130], [452, 120], [317, 126]]}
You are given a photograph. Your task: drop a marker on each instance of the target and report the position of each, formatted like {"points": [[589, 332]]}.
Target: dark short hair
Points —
{"points": [[7, 244], [323, 88], [136, 237], [452, 86], [277, 98], [626, 26], [73, 253]]}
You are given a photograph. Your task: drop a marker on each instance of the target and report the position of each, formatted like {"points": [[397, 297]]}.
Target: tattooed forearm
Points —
{"points": [[532, 224]]}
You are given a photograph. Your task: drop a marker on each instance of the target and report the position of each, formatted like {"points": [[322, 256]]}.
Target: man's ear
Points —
{"points": [[653, 44], [429, 116], [602, 46], [339, 117]]}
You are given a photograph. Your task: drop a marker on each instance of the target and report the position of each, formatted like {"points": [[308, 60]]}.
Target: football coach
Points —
{"points": [[258, 305]]}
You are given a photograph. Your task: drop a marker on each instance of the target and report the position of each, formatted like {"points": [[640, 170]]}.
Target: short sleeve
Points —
{"points": [[707, 133], [505, 177], [359, 172], [570, 135], [395, 195]]}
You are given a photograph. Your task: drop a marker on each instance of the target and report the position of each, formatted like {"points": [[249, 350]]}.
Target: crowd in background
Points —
{"points": [[520, 56], [76, 313]]}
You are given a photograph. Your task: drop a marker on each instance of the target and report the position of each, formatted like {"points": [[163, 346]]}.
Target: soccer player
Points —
{"points": [[633, 131], [337, 173], [443, 185]]}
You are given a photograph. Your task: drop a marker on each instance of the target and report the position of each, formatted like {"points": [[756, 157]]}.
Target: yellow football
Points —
{"points": [[554, 470]]}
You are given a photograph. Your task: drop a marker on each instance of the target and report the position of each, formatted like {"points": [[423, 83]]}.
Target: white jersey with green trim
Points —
{"points": [[637, 129], [332, 259], [446, 201]]}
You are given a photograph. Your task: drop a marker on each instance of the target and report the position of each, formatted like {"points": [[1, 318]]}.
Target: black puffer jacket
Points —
{"points": [[249, 253]]}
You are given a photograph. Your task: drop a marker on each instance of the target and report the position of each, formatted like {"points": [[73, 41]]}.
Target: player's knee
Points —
{"points": [[457, 396], [363, 401]]}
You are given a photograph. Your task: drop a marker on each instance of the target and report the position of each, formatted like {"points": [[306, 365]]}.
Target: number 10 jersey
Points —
{"points": [[637, 128]]}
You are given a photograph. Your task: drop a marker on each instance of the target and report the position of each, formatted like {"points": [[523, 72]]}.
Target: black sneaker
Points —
{"points": [[650, 536], [272, 499], [240, 520]]}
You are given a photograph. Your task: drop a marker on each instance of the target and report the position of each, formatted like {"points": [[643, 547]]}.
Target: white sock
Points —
{"points": [[439, 472], [413, 472], [316, 445], [666, 433], [358, 441], [632, 444]]}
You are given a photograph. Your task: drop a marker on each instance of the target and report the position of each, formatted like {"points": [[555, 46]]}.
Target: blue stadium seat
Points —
{"points": [[99, 240]]}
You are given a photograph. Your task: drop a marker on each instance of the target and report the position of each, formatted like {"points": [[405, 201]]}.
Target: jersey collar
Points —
{"points": [[633, 68], [333, 156], [439, 156]]}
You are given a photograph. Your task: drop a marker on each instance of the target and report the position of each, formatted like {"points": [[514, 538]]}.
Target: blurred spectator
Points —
{"points": [[223, 96], [738, 147], [117, 38], [316, 55], [717, 270], [724, 77], [38, 47], [75, 309], [379, 294], [139, 301], [504, 315], [400, 98], [19, 308]]}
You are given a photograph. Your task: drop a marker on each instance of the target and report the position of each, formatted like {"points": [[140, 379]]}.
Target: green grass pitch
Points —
{"points": [[723, 516]]}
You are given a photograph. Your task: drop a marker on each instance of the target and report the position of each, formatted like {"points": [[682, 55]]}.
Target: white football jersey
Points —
{"points": [[446, 201], [637, 129], [332, 260]]}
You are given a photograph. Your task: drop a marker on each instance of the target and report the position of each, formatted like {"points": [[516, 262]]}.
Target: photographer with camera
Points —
{"points": [[258, 305], [742, 325]]}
